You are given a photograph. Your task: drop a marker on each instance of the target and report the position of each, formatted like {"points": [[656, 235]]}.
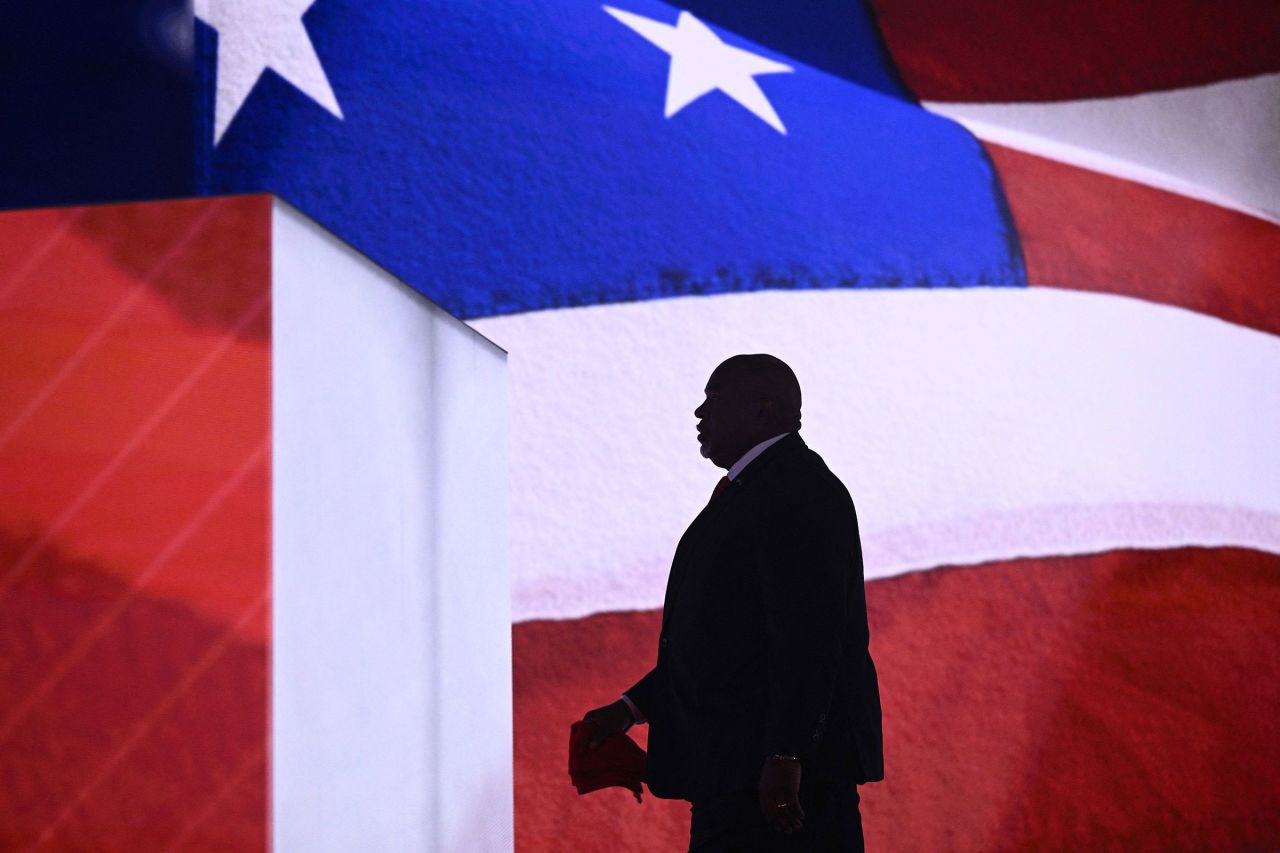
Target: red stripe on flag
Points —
{"points": [[135, 527], [155, 418], [15, 270], [1116, 701], [1084, 230], [119, 311], [53, 671], [1033, 50], [141, 735], [158, 414], [190, 836], [149, 726]]}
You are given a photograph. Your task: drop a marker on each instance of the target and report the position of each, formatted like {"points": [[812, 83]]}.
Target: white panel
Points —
{"points": [[969, 425], [391, 670]]}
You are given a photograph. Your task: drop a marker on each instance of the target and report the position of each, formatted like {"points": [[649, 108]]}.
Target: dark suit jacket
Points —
{"points": [[764, 636]]}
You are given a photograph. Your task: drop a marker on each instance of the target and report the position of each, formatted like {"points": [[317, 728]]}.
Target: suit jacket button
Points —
{"points": [[662, 642]]}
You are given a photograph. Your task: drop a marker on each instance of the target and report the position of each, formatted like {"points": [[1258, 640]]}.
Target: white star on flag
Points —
{"points": [[702, 63], [254, 35]]}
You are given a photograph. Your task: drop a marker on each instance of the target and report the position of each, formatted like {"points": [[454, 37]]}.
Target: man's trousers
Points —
{"points": [[733, 823]]}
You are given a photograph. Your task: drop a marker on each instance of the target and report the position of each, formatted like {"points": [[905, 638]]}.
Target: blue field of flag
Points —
{"points": [[515, 156]]}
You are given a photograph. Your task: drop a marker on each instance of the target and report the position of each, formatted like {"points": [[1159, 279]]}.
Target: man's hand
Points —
{"points": [[780, 794], [607, 721]]}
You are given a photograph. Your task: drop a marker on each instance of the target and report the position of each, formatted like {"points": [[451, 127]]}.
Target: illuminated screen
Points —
{"points": [[135, 475], [255, 589], [1023, 257]]}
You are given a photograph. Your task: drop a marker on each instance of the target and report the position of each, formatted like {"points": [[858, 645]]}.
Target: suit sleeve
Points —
{"points": [[804, 567], [647, 692]]}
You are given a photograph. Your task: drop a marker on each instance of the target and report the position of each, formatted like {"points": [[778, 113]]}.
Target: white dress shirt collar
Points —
{"points": [[751, 454]]}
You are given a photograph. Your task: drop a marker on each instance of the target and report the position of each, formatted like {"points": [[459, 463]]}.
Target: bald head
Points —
{"points": [[769, 380], [749, 398]]}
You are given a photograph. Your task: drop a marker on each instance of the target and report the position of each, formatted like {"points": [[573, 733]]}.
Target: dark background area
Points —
{"points": [[96, 102]]}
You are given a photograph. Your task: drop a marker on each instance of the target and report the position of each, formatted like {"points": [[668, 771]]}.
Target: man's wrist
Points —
{"points": [[636, 716]]}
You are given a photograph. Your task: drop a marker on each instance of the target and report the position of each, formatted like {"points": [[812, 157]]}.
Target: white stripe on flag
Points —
{"points": [[969, 425], [1215, 142]]}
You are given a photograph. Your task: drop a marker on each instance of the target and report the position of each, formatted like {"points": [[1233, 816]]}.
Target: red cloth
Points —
{"points": [[617, 761]]}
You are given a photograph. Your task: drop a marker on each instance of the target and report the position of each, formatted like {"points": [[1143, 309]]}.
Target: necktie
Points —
{"points": [[720, 487]]}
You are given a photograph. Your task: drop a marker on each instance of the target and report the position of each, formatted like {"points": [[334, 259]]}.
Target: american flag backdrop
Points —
{"points": [[1024, 259]]}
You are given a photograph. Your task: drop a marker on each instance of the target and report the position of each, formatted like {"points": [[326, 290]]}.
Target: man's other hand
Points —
{"points": [[607, 721], [780, 794]]}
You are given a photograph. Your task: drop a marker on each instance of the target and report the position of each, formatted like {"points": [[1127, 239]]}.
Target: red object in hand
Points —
{"points": [[617, 761]]}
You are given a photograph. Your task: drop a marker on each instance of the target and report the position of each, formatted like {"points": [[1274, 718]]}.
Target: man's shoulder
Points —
{"points": [[802, 490], [803, 472]]}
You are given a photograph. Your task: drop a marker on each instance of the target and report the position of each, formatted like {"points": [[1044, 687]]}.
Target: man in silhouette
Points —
{"points": [[763, 708]]}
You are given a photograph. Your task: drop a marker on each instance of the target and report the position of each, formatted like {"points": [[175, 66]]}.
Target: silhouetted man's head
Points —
{"points": [[749, 398]]}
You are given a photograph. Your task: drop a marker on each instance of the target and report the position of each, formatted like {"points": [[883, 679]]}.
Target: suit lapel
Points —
{"points": [[704, 526], [707, 521]]}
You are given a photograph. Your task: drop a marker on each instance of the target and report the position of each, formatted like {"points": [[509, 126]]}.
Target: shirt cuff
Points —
{"points": [[635, 712]]}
